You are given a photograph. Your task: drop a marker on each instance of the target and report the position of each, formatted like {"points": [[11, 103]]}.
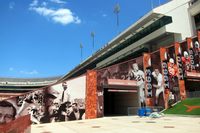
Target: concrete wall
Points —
{"points": [[178, 10]]}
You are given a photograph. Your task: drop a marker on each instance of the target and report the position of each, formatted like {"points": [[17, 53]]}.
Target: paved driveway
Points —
{"points": [[124, 124]]}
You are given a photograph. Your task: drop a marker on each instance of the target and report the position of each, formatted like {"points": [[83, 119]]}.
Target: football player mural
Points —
{"points": [[189, 52], [188, 61], [191, 55], [170, 71], [126, 71], [157, 80], [138, 75]]}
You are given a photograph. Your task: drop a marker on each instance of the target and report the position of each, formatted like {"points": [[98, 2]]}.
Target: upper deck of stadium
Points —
{"points": [[28, 81]]}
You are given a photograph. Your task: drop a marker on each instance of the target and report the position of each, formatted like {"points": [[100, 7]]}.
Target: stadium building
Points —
{"points": [[154, 59], [172, 22]]}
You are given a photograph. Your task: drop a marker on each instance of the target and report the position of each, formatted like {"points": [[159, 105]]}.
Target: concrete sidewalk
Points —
{"points": [[124, 124]]}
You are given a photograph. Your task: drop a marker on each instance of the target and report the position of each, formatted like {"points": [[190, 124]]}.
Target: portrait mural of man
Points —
{"points": [[59, 101], [65, 97], [76, 113], [7, 112]]}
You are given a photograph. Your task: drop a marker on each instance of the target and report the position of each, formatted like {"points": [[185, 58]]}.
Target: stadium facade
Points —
{"points": [[153, 61]]}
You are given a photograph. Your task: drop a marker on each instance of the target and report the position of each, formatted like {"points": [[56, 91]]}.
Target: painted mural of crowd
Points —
{"points": [[22, 105], [44, 106]]}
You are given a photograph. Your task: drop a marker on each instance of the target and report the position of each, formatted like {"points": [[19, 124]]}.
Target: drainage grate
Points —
{"points": [[96, 126], [114, 119], [150, 122], [40, 126], [169, 127], [167, 119], [46, 132], [135, 121], [80, 122]]}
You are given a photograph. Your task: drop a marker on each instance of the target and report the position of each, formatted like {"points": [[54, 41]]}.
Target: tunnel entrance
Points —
{"points": [[120, 102]]}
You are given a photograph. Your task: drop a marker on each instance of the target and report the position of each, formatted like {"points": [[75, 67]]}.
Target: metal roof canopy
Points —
{"points": [[143, 22]]}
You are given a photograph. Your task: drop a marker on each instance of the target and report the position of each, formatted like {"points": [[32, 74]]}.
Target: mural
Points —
{"points": [[189, 51], [123, 74], [60, 102], [170, 75], [191, 55], [157, 80], [188, 65], [161, 78], [31, 103]]}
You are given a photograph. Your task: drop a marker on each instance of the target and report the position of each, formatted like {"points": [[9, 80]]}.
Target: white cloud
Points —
{"points": [[63, 15], [11, 5], [58, 1], [44, 3], [34, 72], [11, 69], [104, 15], [34, 3]]}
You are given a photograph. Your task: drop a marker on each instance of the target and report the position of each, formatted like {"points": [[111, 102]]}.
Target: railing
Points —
{"points": [[193, 94], [134, 110]]}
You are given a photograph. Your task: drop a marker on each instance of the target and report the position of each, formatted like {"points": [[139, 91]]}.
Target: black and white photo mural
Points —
{"points": [[60, 102]]}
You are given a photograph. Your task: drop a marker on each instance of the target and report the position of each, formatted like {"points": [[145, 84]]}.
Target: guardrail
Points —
{"points": [[193, 94], [134, 110]]}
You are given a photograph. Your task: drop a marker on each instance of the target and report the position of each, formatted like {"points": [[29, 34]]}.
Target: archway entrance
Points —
{"points": [[119, 102]]}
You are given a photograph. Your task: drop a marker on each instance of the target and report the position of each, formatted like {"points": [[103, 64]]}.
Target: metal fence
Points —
{"points": [[193, 94], [134, 110]]}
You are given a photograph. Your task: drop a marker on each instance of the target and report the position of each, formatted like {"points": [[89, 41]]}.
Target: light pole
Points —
{"points": [[116, 11], [92, 35], [81, 47], [151, 4]]}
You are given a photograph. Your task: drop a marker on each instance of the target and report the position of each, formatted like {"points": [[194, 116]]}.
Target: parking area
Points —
{"points": [[129, 124]]}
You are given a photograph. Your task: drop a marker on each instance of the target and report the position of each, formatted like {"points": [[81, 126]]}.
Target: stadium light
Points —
{"points": [[116, 11], [92, 35], [81, 47]]}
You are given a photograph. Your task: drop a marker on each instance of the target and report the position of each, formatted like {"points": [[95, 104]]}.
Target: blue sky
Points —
{"points": [[41, 38]]}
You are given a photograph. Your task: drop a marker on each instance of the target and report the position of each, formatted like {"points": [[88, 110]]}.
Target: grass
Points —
{"points": [[180, 107]]}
